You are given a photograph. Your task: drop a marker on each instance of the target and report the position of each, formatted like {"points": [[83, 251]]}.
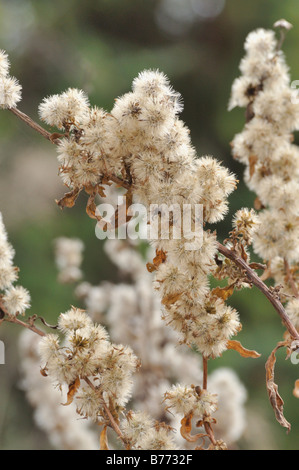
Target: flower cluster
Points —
{"points": [[132, 313], [15, 299], [265, 145], [87, 356], [10, 89], [60, 423], [271, 157], [191, 400], [143, 142]]}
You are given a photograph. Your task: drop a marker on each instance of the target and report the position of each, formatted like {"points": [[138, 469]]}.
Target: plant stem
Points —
{"points": [[31, 123], [255, 280], [113, 423]]}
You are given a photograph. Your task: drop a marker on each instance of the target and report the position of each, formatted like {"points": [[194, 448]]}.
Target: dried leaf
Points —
{"points": [[73, 387], [69, 199], [252, 162], [296, 389], [272, 388], [171, 298], [159, 259], [43, 372], [186, 427], [91, 207], [257, 266], [223, 292], [257, 204], [104, 439], [237, 346]]}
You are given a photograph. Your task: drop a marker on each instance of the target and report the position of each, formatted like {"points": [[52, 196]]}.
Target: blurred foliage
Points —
{"points": [[100, 46]]}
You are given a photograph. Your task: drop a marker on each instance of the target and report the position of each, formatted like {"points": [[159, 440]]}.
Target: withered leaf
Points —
{"points": [[252, 162], [272, 389], [223, 292], [43, 372], [69, 199], [73, 387], [104, 439], [257, 204], [159, 259], [296, 389], [91, 207], [186, 427], [171, 298], [237, 346]]}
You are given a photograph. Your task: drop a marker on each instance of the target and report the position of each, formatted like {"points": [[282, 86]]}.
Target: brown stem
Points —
{"points": [[255, 280], [207, 425], [204, 372], [31, 327], [51, 137], [113, 423], [290, 278], [31, 123]]}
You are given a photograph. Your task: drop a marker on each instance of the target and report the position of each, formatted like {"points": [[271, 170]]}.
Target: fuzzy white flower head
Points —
{"points": [[10, 92], [292, 310], [261, 42], [246, 222], [74, 319], [151, 83], [16, 300], [4, 64], [64, 109]]}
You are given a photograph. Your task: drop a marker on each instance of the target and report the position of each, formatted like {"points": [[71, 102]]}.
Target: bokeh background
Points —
{"points": [[100, 46]]}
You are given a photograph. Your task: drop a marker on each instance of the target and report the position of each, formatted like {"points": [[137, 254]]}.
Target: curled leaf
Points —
{"points": [[73, 387], [69, 199], [159, 259], [223, 292], [237, 346], [272, 389], [252, 162], [43, 371], [296, 389], [186, 427], [171, 298], [104, 439]]}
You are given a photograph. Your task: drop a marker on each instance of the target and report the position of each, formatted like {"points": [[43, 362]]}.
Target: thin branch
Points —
{"points": [[255, 280], [29, 326], [204, 372], [31, 123], [54, 140], [113, 423], [207, 425]]}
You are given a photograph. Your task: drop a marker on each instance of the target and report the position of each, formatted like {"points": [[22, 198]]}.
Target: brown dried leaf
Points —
{"points": [[186, 427], [272, 388], [252, 162], [91, 207], [296, 389], [257, 204], [223, 292], [171, 298], [69, 199], [43, 372], [159, 259], [104, 439], [73, 387], [237, 346]]}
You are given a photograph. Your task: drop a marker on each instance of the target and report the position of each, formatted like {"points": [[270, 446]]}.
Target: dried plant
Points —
{"points": [[142, 146]]}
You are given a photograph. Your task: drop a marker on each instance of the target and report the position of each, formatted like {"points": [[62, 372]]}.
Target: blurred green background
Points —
{"points": [[100, 46]]}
